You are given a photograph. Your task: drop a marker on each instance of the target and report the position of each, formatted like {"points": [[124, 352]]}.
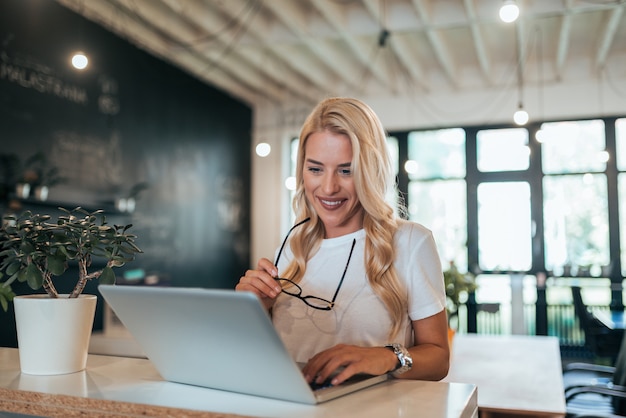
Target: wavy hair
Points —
{"points": [[373, 179]]}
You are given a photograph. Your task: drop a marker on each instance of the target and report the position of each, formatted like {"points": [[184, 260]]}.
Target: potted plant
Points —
{"points": [[458, 286], [35, 251]]}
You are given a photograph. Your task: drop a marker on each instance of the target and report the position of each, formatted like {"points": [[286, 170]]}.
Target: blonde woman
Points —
{"points": [[354, 288]]}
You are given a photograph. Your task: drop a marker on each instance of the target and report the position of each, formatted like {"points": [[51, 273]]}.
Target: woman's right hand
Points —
{"points": [[261, 282]]}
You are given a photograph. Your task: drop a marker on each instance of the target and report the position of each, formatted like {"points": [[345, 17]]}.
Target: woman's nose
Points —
{"points": [[330, 184]]}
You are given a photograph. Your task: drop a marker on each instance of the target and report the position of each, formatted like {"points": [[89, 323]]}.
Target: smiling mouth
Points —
{"points": [[331, 203]]}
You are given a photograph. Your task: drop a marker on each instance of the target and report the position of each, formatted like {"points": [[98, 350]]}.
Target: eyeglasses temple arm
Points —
{"points": [[343, 276], [287, 236]]}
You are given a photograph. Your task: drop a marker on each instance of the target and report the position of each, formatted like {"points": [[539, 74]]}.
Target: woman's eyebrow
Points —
{"points": [[312, 161]]}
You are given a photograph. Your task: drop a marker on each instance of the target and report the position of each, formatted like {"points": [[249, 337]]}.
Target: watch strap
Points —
{"points": [[405, 361]]}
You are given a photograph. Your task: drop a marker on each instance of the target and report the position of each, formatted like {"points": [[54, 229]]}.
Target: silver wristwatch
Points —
{"points": [[404, 358]]}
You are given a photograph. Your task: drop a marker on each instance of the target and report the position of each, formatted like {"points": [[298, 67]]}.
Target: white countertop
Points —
{"points": [[135, 380], [514, 374]]}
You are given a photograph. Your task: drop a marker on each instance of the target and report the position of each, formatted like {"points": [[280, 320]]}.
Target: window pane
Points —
{"points": [[436, 154], [620, 137], [440, 205], [394, 153], [621, 184], [573, 147], [576, 232], [392, 143], [502, 150], [504, 226]]}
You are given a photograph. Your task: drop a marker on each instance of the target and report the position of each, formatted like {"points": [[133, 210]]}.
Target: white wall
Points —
{"points": [[558, 101]]}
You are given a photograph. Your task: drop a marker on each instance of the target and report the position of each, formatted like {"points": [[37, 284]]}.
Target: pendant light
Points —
{"points": [[509, 12], [520, 117]]}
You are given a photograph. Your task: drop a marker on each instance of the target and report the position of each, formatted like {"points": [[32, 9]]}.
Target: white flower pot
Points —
{"points": [[53, 334]]}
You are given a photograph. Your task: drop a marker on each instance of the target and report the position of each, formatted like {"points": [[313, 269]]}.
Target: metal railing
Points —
{"points": [[562, 322]]}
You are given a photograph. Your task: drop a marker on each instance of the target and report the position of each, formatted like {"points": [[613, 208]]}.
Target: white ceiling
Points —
{"points": [[297, 51]]}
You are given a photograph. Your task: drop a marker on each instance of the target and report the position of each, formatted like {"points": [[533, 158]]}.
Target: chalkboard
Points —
{"points": [[129, 120]]}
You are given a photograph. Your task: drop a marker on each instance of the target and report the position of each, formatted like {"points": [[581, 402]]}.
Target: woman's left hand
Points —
{"points": [[354, 359]]}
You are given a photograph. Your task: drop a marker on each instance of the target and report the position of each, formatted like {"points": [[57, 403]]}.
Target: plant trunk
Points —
{"points": [[48, 286], [82, 279]]}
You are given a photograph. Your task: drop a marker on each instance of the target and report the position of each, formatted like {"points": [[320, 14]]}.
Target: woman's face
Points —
{"points": [[329, 185]]}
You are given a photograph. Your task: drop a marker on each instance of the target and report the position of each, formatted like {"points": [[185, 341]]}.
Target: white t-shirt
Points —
{"points": [[359, 317]]}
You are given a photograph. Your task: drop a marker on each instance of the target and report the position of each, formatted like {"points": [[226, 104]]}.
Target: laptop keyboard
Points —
{"points": [[318, 386]]}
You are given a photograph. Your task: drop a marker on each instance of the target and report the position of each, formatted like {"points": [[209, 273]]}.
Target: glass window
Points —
{"points": [[502, 150], [392, 143], [621, 184], [573, 147], [576, 232], [620, 137], [290, 181], [436, 154], [504, 226], [440, 205], [437, 190]]}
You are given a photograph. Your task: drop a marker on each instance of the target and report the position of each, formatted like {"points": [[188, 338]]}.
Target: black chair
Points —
{"points": [[600, 340], [596, 391]]}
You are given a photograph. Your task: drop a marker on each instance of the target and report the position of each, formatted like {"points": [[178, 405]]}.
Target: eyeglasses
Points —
{"points": [[312, 301]]}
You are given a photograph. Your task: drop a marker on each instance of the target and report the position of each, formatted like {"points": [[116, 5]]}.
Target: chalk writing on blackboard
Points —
{"points": [[108, 102], [89, 161], [229, 203], [28, 73]]}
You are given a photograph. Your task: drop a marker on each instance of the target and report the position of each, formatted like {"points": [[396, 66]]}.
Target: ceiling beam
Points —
{"points": [[439, 47], [136, 32], [401, 48], [364, 52], [183, 32], [608, 36], [564, 39], [328, 56], [477, 38]]}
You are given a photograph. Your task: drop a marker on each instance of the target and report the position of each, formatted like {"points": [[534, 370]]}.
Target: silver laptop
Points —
{"points": [[216, 338]]}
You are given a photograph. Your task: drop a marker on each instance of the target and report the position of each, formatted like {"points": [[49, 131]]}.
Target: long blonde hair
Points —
{"points": [[373, 179]]}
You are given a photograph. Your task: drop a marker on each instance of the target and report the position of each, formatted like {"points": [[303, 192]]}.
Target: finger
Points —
{"points": [[322, 365], [345, 374], [259, 282], [266, 265], [345, 361]]}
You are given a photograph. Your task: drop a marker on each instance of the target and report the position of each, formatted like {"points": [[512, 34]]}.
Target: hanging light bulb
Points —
{"points": [[541, 136], [80, 61], [509, 12], [263, 149], [520, 117]]}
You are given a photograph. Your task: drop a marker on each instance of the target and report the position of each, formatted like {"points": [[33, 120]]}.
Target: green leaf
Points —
{"points": [[56, 265], [13, 268], [34, 278], [107, 276], [6, 296], [27, 247]]}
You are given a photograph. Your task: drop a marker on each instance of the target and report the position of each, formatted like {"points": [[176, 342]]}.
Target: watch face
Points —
{"points": [[404, 358]]}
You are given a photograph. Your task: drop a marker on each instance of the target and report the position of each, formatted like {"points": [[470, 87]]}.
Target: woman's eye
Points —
{"points": [[314, 170], [345, 171]]}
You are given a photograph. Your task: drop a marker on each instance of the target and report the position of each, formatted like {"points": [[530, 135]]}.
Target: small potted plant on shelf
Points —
{"points": [[458, 285], [36, 251]]}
